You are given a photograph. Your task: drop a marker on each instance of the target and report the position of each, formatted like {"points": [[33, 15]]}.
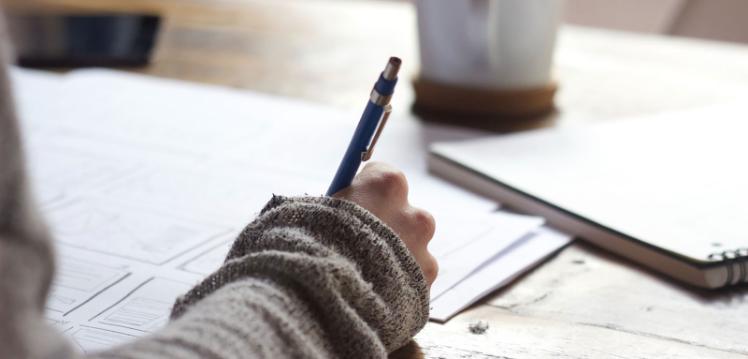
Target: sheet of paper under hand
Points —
{"points": [[507, 265], [466, 243]]}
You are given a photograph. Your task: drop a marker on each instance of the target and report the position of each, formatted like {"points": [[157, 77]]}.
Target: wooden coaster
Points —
{"points": [[437, 98]]}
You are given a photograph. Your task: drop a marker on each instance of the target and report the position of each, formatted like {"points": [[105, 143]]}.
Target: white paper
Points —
{"points": [[469, 242], [505, 267], [77, 281], [145, 183]]}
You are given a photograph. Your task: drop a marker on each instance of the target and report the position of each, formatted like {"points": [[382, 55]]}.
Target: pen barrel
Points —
{"points": [[367, 125], [384, 86], [359, 143]]}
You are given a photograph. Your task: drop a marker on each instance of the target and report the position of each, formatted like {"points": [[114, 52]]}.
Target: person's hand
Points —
{"points": [[383, 190]]}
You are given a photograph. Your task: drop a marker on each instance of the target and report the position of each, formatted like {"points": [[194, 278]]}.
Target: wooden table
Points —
{"points": [[584, 303]]}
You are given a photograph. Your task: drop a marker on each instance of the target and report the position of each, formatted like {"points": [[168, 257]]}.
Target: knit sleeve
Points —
{"points": [[310, 277]]}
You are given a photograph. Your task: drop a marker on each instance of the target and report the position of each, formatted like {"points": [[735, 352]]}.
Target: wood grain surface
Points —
{"points": [[583, 303]]}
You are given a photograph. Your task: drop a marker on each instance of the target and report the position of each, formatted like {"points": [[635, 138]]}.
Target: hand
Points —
{"points": [[383, 190]]}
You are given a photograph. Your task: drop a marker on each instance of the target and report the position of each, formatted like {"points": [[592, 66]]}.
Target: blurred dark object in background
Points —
{"points": [[83, 40]]}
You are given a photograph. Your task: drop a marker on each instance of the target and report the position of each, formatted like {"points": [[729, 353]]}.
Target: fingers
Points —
{"points": [[423, 223], [427, 262], [385, 181], [383, 190], [380, 188], [430, 269], [418, 231], [415, 225]]}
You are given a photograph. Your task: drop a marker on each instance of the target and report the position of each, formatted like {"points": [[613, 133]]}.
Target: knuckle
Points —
{"points": [[431, 269], [391, 183], [425, 223], [371, 166]]}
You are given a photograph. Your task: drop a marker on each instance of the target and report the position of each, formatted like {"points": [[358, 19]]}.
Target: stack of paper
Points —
{"points": [[146, 183]]}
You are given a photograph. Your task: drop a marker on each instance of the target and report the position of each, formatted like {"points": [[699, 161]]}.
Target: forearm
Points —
{"points": [[355, 268], [313, 277]]}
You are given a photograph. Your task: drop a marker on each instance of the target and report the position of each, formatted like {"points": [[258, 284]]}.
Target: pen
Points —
{"points": [[369, 127]]}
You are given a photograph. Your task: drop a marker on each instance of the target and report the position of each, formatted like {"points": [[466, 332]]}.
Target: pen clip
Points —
{"points": [[366, 155]]}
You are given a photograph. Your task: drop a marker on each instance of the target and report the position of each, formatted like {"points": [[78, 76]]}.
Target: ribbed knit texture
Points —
{"points": [[310, 277]]}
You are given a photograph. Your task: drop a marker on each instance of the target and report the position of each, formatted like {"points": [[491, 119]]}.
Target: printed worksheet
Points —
{"points": [[78, 280], [210, 260], [146, 308], [105, 226], [145, 183]]}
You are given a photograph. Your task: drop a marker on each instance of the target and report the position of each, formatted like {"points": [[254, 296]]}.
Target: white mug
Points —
{"points": [[496, 44]]}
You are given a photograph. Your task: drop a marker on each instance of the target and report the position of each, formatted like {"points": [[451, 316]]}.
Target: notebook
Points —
{"points": [[667, 191]]}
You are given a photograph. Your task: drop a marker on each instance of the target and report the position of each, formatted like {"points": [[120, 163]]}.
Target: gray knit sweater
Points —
{"points": [[310, 277]]}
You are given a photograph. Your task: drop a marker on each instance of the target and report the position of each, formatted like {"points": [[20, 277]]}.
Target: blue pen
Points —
{"points": [[369, 127]]}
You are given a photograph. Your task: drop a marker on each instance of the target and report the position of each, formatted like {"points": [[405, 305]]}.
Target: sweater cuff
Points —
{"points": [[344, 209], [354, 256]]}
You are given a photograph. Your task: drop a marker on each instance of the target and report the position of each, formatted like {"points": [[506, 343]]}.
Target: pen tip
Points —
{"points": [[393, 66]]}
